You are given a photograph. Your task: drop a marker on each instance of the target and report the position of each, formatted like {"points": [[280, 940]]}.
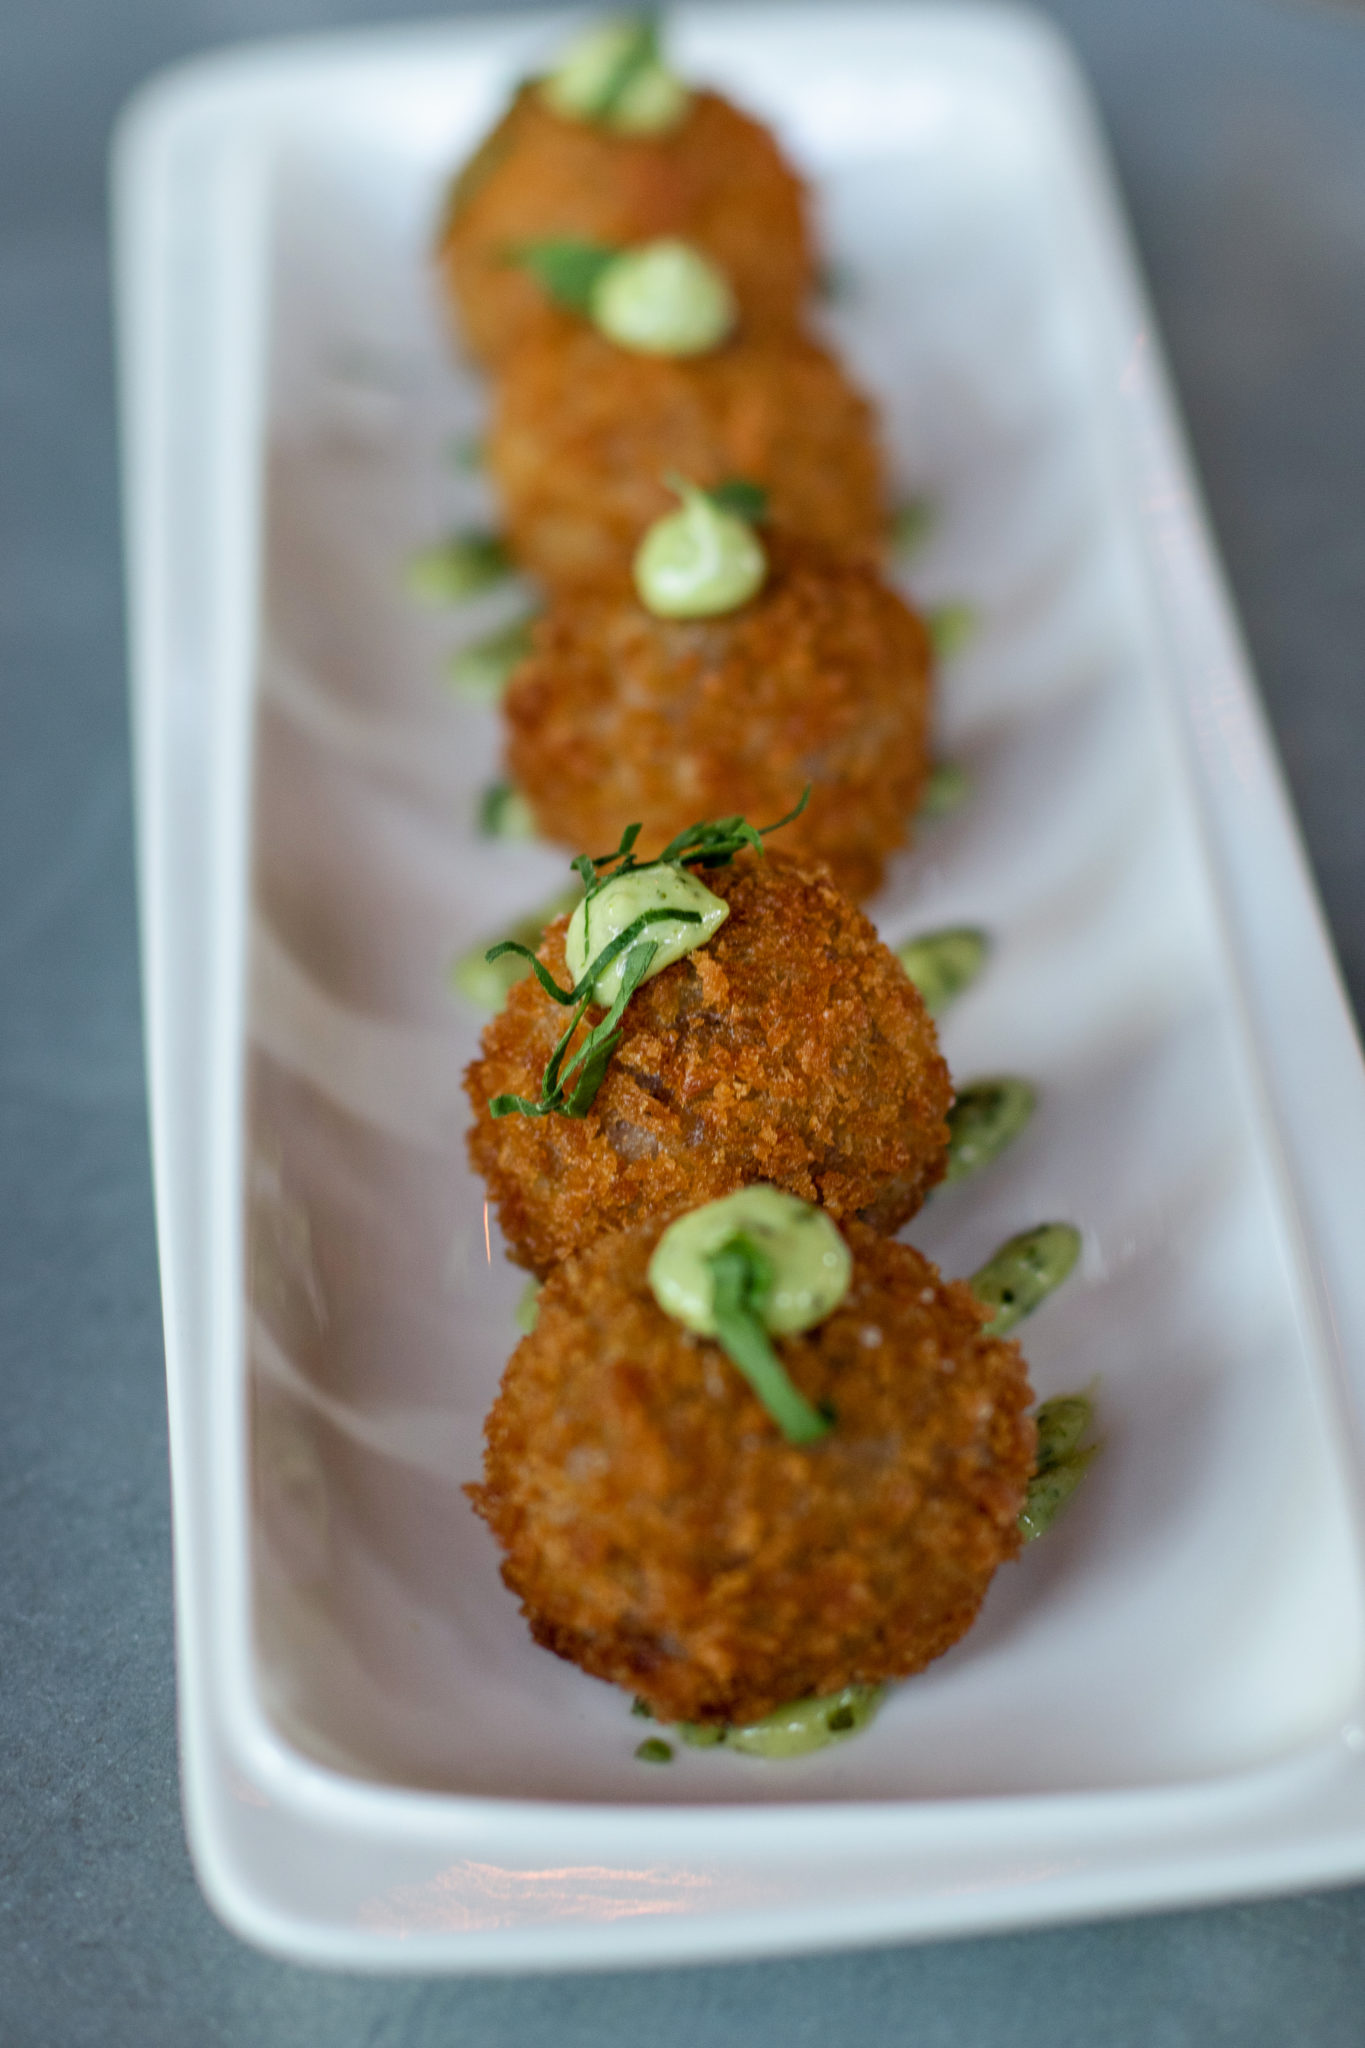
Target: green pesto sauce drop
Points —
{"points": [[1061, 1463], [481, 671], [795, 1730], [663, 299], [458, 568], [986, 1117], [504, 813], [486, 982], [951, 626], [812, 1265], [699, 562], [526, 1314], [946, 790], [943, 965], [1017, 1278], [601, 917]]}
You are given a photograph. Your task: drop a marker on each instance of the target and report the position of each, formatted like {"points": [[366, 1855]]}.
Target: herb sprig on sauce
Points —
{"points": [[569, 1085], [711, 844]]}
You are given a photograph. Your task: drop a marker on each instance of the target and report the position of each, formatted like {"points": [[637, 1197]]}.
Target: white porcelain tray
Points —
{"points": [[1162, 1702]]}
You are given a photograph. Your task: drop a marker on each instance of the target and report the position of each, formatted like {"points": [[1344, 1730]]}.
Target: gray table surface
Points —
{"points": [[1239, 127]]}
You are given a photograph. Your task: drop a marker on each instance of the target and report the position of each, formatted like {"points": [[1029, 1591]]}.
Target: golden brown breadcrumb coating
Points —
{"points": [[661, 1534], [718, 180], [583, 434], [792, 1048], [823, 678]]}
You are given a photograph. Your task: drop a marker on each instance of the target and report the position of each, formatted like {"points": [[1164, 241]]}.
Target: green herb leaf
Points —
{"points": [[654, 1751], [742, 1277], [586, 1069], [738, 494], [710, 843], [566, 268]]}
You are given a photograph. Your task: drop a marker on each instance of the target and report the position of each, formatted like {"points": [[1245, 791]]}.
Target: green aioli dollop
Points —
{"points": [[613, 74], [699, 562], [616, 905], [663, 298], [811, 1264]]}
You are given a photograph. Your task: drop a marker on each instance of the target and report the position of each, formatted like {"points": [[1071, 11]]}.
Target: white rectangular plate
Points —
{"points": [[1162, 1702]]}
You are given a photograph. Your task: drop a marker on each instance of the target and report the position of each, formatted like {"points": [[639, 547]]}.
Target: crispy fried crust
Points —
{"points": [[718, 180], [793, 1048], [823, 678], [660, 1534], [584, 432]]}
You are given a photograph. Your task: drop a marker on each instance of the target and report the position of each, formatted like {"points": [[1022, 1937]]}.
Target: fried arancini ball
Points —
{"points": [[584, 433], [822, 678], [661, 1534], [792, 1048], [718, 180]]}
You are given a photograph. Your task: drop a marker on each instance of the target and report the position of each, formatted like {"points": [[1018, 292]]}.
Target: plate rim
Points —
{"points": [[190, 155]]}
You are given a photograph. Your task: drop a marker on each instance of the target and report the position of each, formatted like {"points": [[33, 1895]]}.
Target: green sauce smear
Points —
{"points": [[944, 964], [795, 1730], [1063, 1459], [458, 568]]}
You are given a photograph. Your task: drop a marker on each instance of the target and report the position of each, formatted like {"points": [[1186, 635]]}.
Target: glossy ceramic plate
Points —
{"points": [[1162, 1701]]}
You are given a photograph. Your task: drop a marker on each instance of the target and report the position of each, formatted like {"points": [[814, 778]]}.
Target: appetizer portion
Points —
{"points": [[820, 674], [585, 431], [663, 1528], [612, 148], [788, 1045]]}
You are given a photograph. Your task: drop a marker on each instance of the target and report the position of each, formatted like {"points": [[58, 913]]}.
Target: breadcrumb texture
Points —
{"points": [[823, 678], [660, 1534], [583, 434], [793, 1049], [718, 180]]}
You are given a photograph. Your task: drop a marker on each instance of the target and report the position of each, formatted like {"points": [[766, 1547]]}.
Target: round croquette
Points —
{"points": [[822, 678], [718, 180], [661, 1534], [792, 1048], [584, 433]]}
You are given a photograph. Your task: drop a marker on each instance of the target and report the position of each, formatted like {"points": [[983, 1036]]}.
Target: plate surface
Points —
{"points": [[1162, 1701]]}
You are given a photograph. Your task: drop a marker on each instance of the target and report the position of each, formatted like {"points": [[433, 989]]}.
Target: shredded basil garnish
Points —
{"points": [[569, 1086], [742, 1278], [709, 844]]}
